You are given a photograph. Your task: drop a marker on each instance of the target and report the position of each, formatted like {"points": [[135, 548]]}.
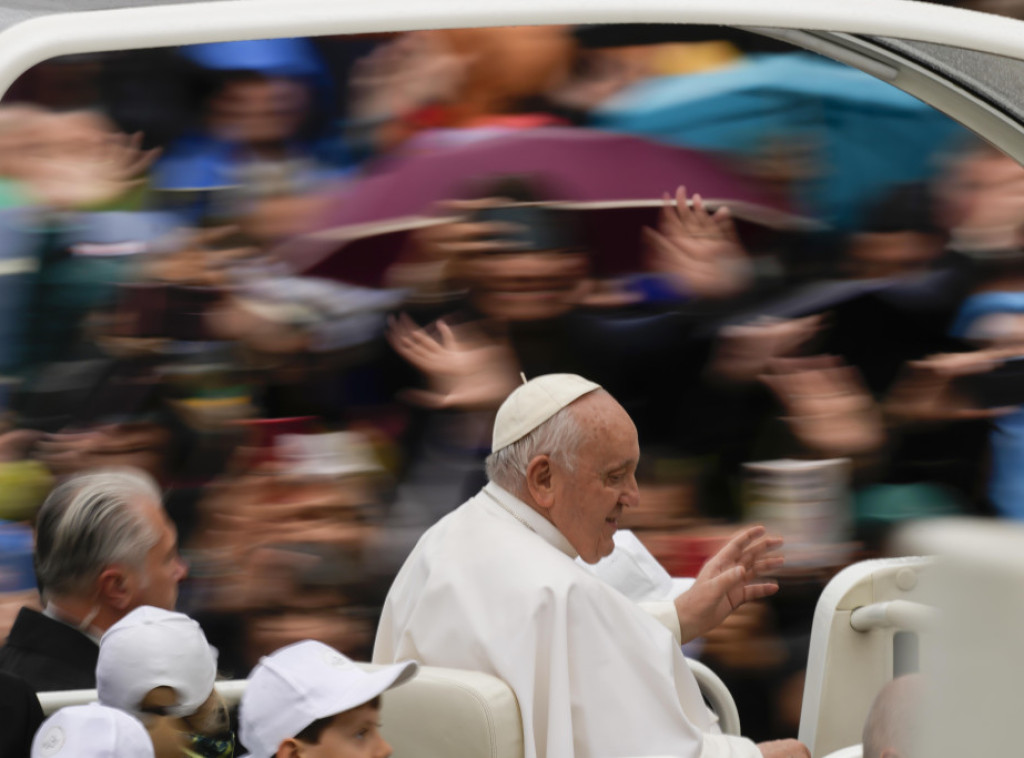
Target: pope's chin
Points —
{"points": [[605, 545]]}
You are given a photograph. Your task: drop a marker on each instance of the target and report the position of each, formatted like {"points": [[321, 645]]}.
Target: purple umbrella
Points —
{"points": [[570, 164], [616, 180]]}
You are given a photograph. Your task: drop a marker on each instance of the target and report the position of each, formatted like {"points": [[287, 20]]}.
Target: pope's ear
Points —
{"points": [[539, 481], [289, 748]]}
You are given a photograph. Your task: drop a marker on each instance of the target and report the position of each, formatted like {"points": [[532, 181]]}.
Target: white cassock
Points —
{"points": [[494, 587]]}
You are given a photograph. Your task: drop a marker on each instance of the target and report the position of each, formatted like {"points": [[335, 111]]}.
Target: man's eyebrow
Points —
{"points": [[623, 465]]}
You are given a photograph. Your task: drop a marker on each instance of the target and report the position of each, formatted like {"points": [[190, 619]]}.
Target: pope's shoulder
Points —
{"points": [[479, 543]]}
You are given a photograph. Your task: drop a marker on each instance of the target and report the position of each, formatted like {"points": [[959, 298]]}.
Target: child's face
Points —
{"points": [[352, 734]]}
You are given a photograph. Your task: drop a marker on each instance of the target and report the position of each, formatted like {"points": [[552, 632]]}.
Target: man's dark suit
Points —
{"points": [[20, 716], [48, 654]]}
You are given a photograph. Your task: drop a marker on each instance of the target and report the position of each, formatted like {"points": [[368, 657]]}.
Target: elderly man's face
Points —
{"points": [[589, 500], [164, 568]]}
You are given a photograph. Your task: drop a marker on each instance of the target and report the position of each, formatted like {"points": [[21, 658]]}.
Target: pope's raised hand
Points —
{"points": [[735, 575]]}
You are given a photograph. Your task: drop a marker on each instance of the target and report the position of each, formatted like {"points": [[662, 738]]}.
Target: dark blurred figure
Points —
{"points": [[20, 716]]}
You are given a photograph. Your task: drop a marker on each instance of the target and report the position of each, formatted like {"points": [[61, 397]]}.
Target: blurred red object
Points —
{"points": [[262, 433], [685, 554]]}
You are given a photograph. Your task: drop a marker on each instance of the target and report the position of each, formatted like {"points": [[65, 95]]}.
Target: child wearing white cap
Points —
{"points": [[158, 666], [91, 731], [307, 700]]}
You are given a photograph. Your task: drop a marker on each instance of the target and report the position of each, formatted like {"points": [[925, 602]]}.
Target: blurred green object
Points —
{"points": [[23, 487], [891, 503]]}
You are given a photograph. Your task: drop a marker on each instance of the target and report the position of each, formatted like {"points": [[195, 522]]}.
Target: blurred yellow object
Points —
{"points": [[23, 487], [692, 57]]}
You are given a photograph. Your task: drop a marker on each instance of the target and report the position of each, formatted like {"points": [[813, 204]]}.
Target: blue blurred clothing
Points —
{"points": [[201, 177], [1006, 440], [1006, 480]]}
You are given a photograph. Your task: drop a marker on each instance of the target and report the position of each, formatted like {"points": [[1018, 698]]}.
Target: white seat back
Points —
{"points": [[845, 667], [447, 713]]}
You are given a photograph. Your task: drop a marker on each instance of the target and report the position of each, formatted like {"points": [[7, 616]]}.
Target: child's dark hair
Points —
{"points": [[312, 733]]}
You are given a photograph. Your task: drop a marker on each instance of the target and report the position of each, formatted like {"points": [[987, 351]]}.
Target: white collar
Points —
{"points": [[52, 611], [528, 517]]}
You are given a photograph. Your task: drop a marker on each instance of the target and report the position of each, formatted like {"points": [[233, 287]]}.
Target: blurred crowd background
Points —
{"points": [[293, 279]]}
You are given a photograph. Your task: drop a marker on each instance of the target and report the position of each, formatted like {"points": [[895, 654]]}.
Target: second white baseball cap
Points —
{"points": [[91, 731]]}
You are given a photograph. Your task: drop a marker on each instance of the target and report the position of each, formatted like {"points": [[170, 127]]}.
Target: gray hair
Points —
{"points": [[559, 437], [89, 522]]}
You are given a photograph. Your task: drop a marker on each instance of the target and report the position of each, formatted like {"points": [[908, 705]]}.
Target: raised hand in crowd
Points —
{"points": [[735, 575], [81, 161], [927, 391], [826, 405], [700, 250], [198, 258], [400, 78], [742, 352], [465, 368], [746, 640]]}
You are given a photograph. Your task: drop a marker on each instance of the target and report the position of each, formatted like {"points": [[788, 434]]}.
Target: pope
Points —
{"points": [[494, 586]]}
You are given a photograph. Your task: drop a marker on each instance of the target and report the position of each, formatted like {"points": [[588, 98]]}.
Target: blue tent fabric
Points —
{"points": [[868, 134]]}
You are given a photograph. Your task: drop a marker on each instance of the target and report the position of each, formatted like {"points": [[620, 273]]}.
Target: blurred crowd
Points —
{"points": [[231, 266]]}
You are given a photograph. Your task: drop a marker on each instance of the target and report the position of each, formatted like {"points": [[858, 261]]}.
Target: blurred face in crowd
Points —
{"points": [[524, 286], [881, 254], [982, 193], [587, 502], [258, 109], [352, 734]]}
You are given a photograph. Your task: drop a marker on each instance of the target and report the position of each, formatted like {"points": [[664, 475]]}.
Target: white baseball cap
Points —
{"points": [[302, 683], [152, 647], [535, 402], [91, 731]]}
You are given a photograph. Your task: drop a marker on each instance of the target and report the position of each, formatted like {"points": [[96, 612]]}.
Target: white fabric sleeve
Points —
{"points": [[728, 746], [665, 614]]}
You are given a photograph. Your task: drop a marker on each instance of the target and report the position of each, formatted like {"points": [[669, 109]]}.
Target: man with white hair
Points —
{"points": [[494, 587], [104, 546]]}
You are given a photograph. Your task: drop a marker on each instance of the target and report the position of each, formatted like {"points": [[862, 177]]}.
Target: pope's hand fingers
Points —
{"points": [[768, 565], [759, 591], [724, 584], [735, 547], [766, 544]]}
